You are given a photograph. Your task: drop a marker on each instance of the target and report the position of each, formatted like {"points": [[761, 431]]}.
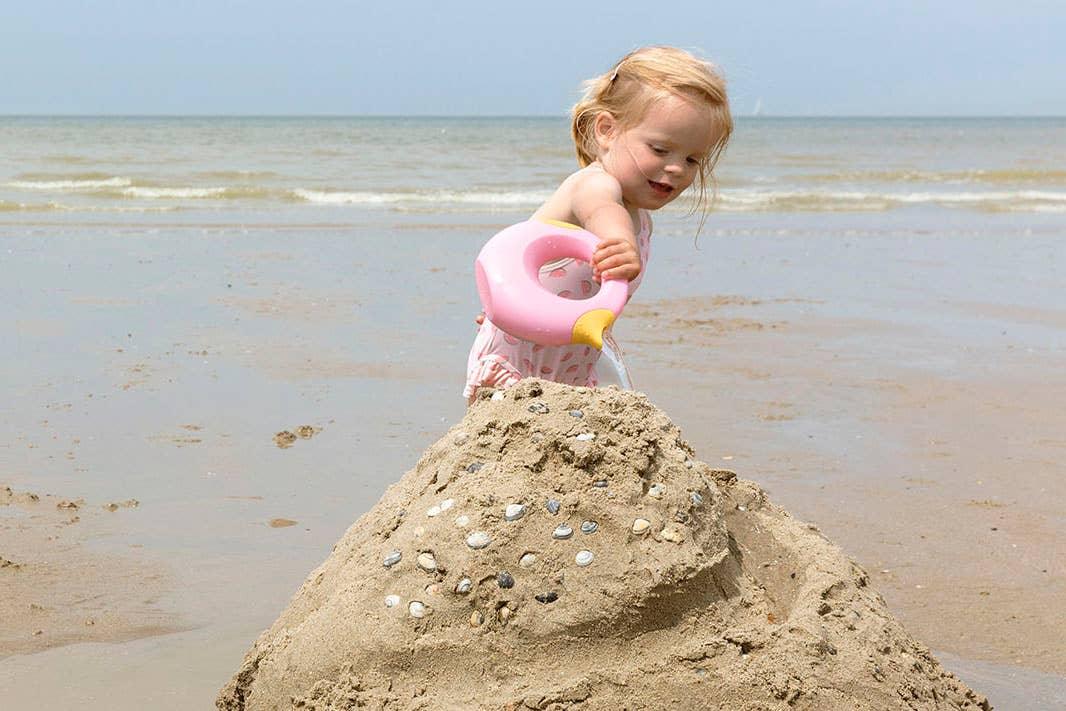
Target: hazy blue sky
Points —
{"points": [[910, 57]]}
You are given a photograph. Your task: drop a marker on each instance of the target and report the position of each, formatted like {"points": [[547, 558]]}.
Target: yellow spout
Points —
{"points": [[590, 327]]}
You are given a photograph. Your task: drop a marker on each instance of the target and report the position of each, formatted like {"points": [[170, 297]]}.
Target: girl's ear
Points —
{"points": [[603, 129]]}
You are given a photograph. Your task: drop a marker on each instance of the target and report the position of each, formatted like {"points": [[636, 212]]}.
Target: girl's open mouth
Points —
{"points": [[661, 188]]}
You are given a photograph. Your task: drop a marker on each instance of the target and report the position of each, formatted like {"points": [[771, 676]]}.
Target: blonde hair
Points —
{"points": [[635, 83]]}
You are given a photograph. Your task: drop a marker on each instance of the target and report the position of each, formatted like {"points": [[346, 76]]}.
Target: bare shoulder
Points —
{"points": [[593, 183], [582, 188]]}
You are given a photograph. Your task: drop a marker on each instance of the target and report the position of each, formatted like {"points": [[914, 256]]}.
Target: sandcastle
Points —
{"points": [[562, 548]]}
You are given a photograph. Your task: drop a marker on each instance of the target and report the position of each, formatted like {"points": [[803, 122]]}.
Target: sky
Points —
{"points": [[416, 57]]}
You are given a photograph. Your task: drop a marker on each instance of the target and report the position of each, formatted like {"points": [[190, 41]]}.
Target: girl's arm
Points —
{"points": [[597, 205]]}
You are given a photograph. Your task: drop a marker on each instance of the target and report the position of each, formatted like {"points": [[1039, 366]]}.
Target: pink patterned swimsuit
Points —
{"points": [[499, 360]]}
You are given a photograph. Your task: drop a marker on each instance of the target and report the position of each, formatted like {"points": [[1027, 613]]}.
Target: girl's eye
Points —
{"points": [[658, 150], [693, 161]]}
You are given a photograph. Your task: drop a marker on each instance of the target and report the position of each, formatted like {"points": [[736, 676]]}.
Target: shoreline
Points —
{"points": [[869, 413]]}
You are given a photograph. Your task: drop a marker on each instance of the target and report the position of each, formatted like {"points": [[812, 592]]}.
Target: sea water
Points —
{"points": [[77, 170]]}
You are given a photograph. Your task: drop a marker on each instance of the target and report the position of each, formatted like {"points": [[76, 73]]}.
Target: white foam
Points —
{"points": [[155, 193], [94, 184], [440, 197], [754, 200]]}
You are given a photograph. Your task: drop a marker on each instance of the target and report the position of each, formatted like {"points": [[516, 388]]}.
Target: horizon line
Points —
{"points": [[512, 116]]}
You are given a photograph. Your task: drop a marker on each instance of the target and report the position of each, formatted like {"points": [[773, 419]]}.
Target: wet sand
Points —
{"points": [[901, 392]]}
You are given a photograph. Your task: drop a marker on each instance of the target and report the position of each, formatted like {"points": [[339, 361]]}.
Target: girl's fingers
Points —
{"points": [[600, 254]]}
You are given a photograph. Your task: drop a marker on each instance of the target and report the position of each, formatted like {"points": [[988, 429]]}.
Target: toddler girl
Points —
{"points": [[644, 132]]}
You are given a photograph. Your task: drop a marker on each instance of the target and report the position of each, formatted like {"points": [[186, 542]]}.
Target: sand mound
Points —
{"points": [[724, 602]]}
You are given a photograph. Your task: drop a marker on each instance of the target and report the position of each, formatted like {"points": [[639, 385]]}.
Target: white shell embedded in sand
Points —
{"points": [[462, 520], [641, 526], [392, 600], [447, 504], [527, 560], [498, 395], [461, 438], [514, 512], [562, 532], [392, 558], [588, 527], [417, 609], [433, 589], [433, 511], [476, 618], [427, 562], [478, 539], [583, 558], [463, 586], [586, 437], [697, 500], [504, 614], [656, 491]]}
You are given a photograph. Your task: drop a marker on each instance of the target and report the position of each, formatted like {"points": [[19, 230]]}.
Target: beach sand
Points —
{"points": [[642, 579], [902, 396]]}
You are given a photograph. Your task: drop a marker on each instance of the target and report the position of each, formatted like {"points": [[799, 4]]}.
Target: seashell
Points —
{"points": [[600, 483], [474, 466], [462, 520], [461, 438], [433, 589], [504, 614], [476, 618], [680, 516], [577, 413], [550, 596], [497, 396], [447, 504], [504, 579], [478, 539], [656, 491], [527, 560], [586, 437], [589, 527], [672, 534], [463, 586], [562, 532], [392, 558], [696, 498], [392, 600], [416, 609], [553, 506], [538, 408], [583, 558], [641, 526], [433, 511], [514, 512], [427, 562]]}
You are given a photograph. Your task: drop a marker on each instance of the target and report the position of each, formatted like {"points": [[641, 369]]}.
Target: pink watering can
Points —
{"points": [[508, 282]]}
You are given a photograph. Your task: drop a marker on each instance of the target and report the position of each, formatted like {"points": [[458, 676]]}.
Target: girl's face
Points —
{"points": [[657, 159]]}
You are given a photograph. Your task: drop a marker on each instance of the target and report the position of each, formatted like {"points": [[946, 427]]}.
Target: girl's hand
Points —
{"points": [[616, 258], [480, 318]]}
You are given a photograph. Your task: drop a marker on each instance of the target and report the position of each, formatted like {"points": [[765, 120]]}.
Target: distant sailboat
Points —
{"points": [[757, 111]]}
